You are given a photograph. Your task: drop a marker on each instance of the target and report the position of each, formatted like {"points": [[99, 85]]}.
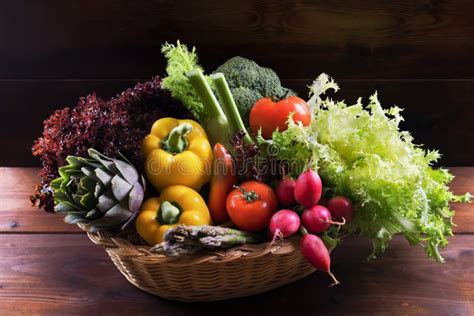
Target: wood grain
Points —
{"points": [[122, 39], [50, 274], [437, 113], [463, 182], [18, 216]]}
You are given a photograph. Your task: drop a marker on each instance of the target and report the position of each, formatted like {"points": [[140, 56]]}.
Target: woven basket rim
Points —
{"points": [[207, 275], [123, 247]]}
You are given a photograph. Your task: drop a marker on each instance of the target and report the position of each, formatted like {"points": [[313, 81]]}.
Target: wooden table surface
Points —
{"points": [[48, 267]]}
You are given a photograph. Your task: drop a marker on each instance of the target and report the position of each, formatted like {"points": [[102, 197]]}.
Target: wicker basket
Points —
{"points": [[236, 272]]}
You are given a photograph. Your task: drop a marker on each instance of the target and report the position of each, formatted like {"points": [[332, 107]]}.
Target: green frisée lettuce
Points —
{"points": [[180, 61], [360, 153]]}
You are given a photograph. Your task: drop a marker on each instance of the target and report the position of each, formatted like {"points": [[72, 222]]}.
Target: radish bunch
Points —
{"points": [[307, 191]]}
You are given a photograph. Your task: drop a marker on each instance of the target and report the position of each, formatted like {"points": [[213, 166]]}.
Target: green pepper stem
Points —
{"points": [[168, 213], [176, 141]]}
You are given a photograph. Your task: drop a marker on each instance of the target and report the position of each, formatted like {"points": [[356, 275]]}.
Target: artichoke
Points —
{"points": [[98, 192]]}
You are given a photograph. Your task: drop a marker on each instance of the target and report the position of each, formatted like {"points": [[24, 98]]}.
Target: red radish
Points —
{"points": [[285, 192], [284, 223], [308, 188], [314, 250], [317, 219], [341, 208]]}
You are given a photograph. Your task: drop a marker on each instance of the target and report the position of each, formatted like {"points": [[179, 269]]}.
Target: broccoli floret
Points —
{"points": [[243, 72], [269, 84], [245, 98], [249, 82], [239, 72]]}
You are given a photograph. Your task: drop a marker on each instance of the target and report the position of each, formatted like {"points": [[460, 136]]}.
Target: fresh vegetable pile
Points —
{"points": [[194, 162], [116, 125]]}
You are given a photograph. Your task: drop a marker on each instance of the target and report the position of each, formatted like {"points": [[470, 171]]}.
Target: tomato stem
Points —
{"points": [[249, 196]]}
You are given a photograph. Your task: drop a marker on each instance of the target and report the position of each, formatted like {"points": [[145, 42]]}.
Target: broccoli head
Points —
{"points": [[239, 72], [243, 72], [245, 98], [249, 82]]}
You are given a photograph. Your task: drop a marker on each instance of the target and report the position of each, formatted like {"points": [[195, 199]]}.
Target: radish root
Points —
{"points": [[276, 237], [335, 281], [338, 224]]}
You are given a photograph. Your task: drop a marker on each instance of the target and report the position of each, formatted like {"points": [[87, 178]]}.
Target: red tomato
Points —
{"points": [[269, 115], [251, 206]]}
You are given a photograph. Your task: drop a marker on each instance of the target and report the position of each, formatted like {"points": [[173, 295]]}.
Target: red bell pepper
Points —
{"points": [[223, 180]]}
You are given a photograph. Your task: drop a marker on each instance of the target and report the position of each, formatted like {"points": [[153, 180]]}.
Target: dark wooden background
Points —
{"points": [[417, 54]]}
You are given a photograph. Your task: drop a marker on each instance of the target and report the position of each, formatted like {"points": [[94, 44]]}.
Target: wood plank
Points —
{"points": [[51, 274], [121, 39], [18, 216], [463, 182], [437, 112]]}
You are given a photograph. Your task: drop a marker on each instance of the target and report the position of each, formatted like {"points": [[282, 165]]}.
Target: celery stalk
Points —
{"points": [[214, 122], [228, 105]]}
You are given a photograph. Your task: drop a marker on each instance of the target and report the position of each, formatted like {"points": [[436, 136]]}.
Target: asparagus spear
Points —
{"points": [[185, 240]]}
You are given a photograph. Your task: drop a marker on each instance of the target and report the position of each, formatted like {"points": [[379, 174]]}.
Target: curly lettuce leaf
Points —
{"points": [[361, 153]]}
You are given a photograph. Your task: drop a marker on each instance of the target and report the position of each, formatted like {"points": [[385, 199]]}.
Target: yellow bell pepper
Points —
{"points": [[177, 152], [176, 205]]}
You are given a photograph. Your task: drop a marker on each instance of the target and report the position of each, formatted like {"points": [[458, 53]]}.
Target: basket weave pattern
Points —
{"points": [[210, 276]]}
